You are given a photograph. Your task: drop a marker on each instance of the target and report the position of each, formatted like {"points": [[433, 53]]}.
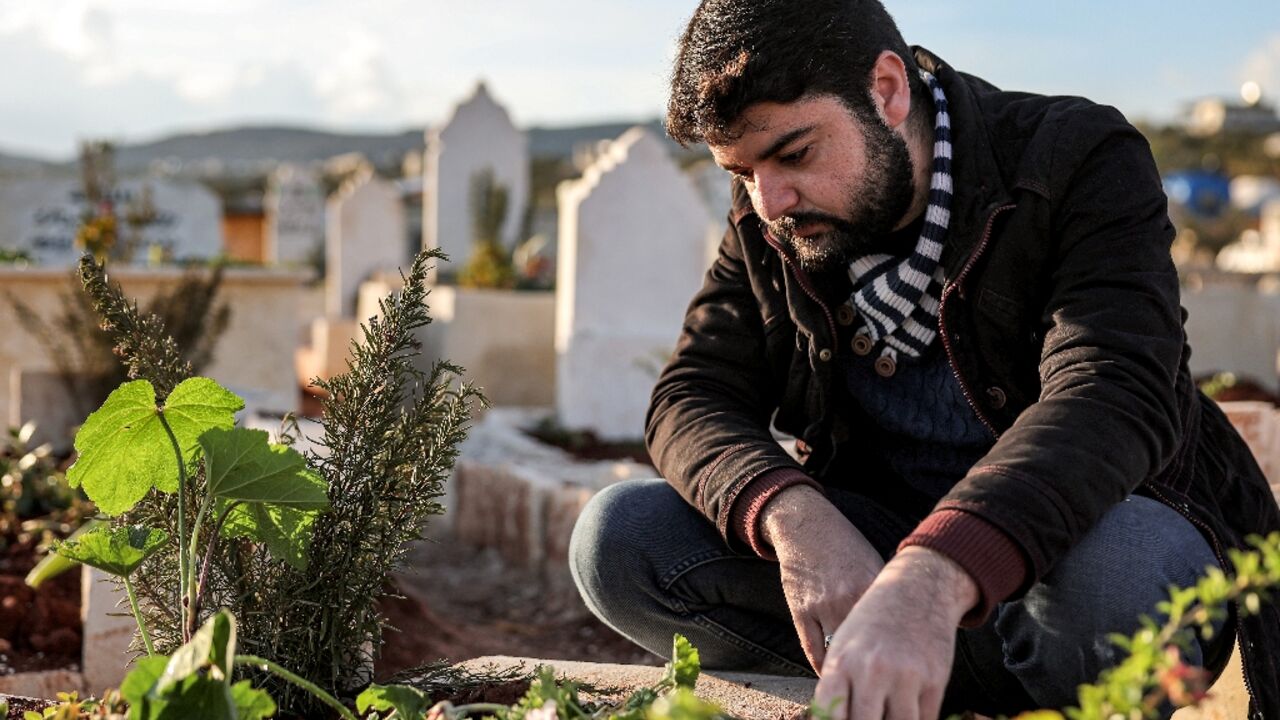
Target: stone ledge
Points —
{"points": [[43, 684], [744, 695], [520, 496]]}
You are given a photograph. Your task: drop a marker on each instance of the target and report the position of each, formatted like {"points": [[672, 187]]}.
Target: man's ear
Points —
{"points": [[890, 89]]}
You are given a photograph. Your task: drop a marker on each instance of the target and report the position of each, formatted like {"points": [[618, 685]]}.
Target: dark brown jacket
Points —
{"points": [[1060, 318]]}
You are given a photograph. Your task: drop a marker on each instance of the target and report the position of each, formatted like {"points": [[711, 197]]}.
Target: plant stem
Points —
{"points": [[193, 588], [326, 698], [461, 711], [137, 615], [184, 569], [208, 558]]}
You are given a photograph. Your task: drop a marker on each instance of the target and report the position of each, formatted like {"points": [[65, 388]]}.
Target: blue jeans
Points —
{"points": [[649, 565]]}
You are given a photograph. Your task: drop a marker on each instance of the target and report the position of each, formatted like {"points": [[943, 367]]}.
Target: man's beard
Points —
{"points": [[877, 202]]}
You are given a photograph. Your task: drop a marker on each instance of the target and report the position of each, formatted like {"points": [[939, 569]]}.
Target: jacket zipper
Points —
{"points": [[803, 279], [942, 315], [1222, 560]]}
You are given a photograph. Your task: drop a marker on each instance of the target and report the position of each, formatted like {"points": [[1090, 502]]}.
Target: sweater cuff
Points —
{"points": [[994, 562], [744, 517]]}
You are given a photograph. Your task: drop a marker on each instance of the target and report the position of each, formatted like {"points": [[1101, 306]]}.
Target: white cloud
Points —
{"points": [[357, 82]]}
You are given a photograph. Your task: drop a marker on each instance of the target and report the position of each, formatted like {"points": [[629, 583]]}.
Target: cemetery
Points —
{"points": [[326, 369]]}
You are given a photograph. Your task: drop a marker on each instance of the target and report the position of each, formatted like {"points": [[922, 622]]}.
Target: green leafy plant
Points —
{"points": [[242, 514], [134, 444]]}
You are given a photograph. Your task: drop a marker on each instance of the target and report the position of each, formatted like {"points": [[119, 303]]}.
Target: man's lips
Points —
{"points": [[808, 230]]}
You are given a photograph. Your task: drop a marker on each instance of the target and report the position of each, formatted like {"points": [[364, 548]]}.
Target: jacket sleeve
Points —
{"points": [[1107, 417], [707, 427]]}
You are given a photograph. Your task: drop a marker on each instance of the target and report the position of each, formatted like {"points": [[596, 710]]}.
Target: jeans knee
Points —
{"points": [[614, 541], [595, 540], [1059, 635]]}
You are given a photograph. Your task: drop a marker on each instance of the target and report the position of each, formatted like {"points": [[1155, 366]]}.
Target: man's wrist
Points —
{"points": [[937, 576], [781, 511]]}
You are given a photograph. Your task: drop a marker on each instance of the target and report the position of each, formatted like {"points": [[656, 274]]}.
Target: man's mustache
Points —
{"points": [[788, 224]]}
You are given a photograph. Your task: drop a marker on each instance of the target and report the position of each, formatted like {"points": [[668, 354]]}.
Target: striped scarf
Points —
{"points": [[897, 298]]}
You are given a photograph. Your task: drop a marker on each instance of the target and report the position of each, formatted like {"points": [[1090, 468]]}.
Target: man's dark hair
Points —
{"points": [[736, 53]]}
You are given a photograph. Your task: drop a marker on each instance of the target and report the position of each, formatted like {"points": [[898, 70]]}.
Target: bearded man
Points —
{"points": [[960, 301]]}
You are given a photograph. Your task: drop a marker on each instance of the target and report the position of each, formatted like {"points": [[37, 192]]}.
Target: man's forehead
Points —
{"points": [[763, 126]]}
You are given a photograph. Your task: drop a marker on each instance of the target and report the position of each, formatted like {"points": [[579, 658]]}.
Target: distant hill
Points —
{"points": [[249, 148], [254, 149], [21, 164], [562, 141]]}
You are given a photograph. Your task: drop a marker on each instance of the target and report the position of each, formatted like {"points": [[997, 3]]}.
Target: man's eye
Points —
{"points": [[792, 158]]}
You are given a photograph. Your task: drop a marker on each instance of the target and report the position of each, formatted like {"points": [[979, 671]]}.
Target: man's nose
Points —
{"points": [[774, 196]]}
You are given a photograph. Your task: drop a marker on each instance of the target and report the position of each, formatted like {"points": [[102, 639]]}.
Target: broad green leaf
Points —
{"points": [[406, 701], [139, 682], [285, 531], [124, 450], [251, 703], [118, 551], [193, 698], [240, 464], [212, 647], [52, 564], [683, 704], [684, 666]]}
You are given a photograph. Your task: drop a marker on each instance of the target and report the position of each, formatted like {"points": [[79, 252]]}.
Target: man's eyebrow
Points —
{"points": [[783, 141]]}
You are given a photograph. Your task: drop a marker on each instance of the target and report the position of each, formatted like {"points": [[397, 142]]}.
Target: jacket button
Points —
{"points": [[885, 366], [996, 397], [845, 314], [824, 355], [862, 344]]}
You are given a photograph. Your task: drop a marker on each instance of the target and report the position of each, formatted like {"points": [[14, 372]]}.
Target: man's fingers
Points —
{"points": [[931, 704], [903, 704], [832, 696], [869, 702], [811, 641]]}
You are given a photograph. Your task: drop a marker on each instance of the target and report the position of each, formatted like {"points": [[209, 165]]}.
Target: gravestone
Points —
{"points": [[40, 217], [716, 189], [295, 216], [1233, 326], [49, 400], [108, 630], [632, 235], [478, 136], [364, 234]]}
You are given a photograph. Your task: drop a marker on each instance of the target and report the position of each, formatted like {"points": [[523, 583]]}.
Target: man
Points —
{"points": [[961, 302]]}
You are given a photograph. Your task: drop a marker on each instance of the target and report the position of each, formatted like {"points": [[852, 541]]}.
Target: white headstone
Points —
{"points": [[365, 234], [715, 185], [295, 216], [478, 136], [632, 236], [41, 217]]}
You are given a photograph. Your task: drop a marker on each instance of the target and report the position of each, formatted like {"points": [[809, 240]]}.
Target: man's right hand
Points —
{"points": [[826, 563]]}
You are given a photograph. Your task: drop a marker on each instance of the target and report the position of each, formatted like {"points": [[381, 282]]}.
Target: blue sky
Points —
{"points": [[137, 69]]}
